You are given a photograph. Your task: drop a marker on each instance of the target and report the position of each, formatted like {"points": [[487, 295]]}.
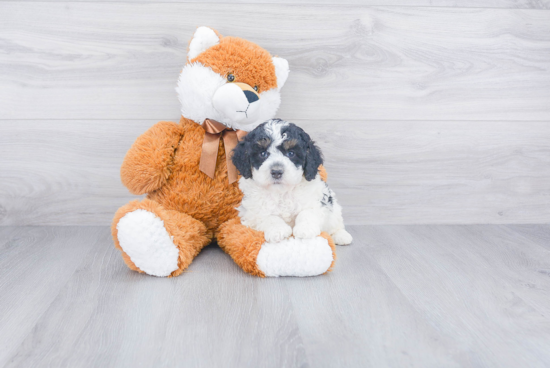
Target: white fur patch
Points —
{"points": [[142, 236], [230, 101], [342, 237], [273, 128], [203, 39], [306, 229], [275, 229], [287, 202], [281, 71], [197, 85], [270, 102], [295, 257]]}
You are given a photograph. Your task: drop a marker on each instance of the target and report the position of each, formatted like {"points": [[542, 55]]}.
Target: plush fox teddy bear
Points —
{"points": [[227, 88]]}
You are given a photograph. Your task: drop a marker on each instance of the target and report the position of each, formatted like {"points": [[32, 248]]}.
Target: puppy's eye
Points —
{"points": [[263, 154], [290, 154], [230, 77], [256, 88]]}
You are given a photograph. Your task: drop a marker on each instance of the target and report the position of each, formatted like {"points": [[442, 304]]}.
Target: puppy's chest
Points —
{"points": [[286, 205]]}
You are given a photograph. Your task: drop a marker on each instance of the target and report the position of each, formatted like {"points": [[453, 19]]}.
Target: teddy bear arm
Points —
{"points": [[149, 161]]}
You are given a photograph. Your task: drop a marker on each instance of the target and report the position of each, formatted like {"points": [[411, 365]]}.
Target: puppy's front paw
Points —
{"points": [[342, 237], [277, 233], [306, 230]]}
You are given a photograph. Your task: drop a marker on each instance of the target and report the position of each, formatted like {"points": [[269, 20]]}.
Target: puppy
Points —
{"points": [[283, 192]]}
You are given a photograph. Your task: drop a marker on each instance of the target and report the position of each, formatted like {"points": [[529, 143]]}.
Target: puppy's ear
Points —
{"points": [[314, 158], [241, 158]]}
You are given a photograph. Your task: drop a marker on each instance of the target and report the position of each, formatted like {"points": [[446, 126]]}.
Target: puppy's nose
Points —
{"points": [[277, 173], [251, 96]]}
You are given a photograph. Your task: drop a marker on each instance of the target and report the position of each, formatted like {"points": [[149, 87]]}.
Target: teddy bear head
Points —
{"points": [[230, 80]]}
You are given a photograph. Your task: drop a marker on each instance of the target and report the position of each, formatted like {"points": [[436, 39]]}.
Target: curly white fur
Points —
{"points": [[284, 210]]}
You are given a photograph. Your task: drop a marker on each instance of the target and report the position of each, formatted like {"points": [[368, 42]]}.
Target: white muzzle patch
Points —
{"points": [[231, 102]]}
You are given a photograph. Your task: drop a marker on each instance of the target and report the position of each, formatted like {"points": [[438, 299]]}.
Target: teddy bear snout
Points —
{"points": [[238, 102], [251, 96]]}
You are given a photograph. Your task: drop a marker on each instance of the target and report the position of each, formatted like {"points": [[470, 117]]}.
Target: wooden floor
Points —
{"points": [[400, 296]]}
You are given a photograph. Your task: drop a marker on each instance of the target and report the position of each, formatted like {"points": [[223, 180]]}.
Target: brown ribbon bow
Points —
{"points": [[213, 131]]}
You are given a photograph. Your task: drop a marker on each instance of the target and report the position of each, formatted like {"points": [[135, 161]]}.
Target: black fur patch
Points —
{"points": [[328, 197], [306, 153], [247, 154]]}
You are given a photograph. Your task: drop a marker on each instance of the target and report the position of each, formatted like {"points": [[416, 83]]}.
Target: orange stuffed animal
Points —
{"points": [[227, 88]]}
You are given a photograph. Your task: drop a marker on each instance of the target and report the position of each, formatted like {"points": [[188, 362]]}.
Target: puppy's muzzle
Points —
{"points": [[277, 172]]}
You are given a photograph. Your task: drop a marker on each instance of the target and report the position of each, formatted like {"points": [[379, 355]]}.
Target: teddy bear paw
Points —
{"points": [[295, 257], [143, 237]]}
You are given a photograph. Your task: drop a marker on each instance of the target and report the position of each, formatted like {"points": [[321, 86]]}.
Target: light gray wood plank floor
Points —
{"points": [[417, 295]]}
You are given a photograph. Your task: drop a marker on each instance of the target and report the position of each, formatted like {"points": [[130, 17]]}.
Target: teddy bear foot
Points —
{"points": [[296, 257], [157, 241], [142, 235], [290, 257]]}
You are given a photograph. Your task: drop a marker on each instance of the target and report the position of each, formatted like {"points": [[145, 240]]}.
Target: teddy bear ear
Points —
{"points": [[203, 39], [281, 71]]}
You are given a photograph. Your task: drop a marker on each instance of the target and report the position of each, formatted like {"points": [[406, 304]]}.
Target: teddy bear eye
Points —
{"points": [[263, 154], [256, 88], [290, 154], [230, 77]]}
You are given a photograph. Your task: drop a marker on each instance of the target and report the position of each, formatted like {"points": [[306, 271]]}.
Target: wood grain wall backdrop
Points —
{"points": [[514, 4], [425, 114]]}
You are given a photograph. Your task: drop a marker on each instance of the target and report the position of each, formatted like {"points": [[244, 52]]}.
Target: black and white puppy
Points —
{"points": [[283, 191]]}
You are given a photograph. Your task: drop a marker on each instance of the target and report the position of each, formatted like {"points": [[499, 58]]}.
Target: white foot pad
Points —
{"points": [[295, 257], [142, 236]]}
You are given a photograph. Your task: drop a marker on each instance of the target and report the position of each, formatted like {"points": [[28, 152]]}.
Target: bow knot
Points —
{"points": [[213, 131]]}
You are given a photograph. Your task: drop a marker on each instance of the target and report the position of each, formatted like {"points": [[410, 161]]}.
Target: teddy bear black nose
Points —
{"points": [[251, 96], [276, 173]]}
